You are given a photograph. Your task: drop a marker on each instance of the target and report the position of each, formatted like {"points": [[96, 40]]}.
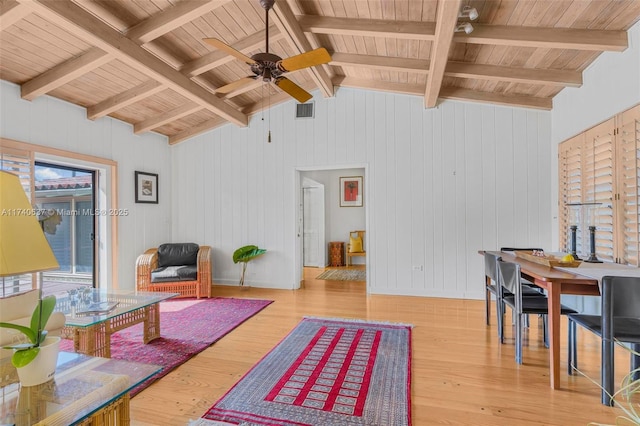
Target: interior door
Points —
{"points": [[313, 227]]}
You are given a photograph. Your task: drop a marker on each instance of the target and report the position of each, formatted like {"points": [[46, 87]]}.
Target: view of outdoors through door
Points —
{"points": [[64, 197]]}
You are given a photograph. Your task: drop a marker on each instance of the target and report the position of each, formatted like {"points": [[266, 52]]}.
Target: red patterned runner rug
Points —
{"points": [[327, 372]]}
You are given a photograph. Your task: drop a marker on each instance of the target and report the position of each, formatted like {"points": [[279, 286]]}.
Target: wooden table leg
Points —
{"points": [[92, 340], [553, 293], [151, 323]]}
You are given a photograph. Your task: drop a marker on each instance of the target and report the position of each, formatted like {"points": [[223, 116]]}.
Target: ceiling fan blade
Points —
{"points": [[218, 44], [228, 88], [304, 60], [293, 89]]}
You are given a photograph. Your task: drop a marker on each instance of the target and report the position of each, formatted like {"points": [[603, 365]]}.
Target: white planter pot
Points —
{"points": [[43, 366]]}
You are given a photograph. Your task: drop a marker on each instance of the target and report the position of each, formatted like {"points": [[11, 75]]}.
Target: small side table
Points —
{"points": [[336, 253]]}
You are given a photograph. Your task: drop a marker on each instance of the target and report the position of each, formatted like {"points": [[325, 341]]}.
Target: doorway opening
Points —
{"points": [[323, 220]]}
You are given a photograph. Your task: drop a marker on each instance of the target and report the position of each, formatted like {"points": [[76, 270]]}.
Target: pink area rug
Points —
{"points": [[327, 372], [187, 327]]}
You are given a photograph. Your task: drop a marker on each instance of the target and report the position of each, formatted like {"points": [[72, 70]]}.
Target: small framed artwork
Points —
{"points": [[146, 187], [351, 191]]}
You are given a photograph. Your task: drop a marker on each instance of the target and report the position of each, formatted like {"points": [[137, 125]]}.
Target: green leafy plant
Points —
{"points": [[26, 352], [626, 398], [245, 255]]}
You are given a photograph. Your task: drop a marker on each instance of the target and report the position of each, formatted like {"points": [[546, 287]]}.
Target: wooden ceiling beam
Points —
{"points": [[380, 62], [166, 117], [170, 19], [64, 73], [453, 93], [460, 94], [551, 38], [192, 131], [286, 21], [408, 30], [467, 70], [447, 18], [81, 23], [11, 12], [124, 99], [247, 88], [379, 86], [218, 57], [546, 77]]}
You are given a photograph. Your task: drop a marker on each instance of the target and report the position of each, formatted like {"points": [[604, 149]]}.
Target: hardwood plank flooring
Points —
{"points": [[461, 375]]}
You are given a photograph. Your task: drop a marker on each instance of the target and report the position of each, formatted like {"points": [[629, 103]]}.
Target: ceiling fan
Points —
{"points": [[269, 67]]}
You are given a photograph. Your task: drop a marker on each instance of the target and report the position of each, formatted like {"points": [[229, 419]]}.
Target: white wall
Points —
{"points": [[442, 183], [58, 124], [610, 85]]}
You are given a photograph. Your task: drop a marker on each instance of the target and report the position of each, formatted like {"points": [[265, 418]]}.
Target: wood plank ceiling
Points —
{"points": [[145, 61]]}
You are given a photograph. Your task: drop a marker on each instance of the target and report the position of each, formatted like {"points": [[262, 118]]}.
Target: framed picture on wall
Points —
{"points": [[351, 193], [146, 187]]}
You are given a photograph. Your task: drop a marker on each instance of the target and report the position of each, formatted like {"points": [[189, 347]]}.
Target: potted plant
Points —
{"points": [[36, 359], [245, 255]]}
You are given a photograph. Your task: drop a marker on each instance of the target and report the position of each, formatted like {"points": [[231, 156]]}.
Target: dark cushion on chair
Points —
{"points": [[174, 273], [624, 329], [177, 254]]}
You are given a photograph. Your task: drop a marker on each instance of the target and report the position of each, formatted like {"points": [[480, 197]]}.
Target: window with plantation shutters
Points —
{"points": [[570, 183], [628, 186], [601, 167], [597, 181]]}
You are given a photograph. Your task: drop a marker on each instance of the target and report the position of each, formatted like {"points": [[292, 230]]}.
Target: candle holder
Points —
{"points": [[574, 220], [573, 230], [592, 214]]}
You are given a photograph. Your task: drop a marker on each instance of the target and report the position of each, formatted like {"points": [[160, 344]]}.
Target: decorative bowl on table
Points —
{"points": [[550, 260]]}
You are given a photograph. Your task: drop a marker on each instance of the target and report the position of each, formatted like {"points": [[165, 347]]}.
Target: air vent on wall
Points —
{"points": [[304, 110]]}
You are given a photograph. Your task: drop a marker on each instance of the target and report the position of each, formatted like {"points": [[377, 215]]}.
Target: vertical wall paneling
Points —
{"points": [[474, 168], [417, 168]]}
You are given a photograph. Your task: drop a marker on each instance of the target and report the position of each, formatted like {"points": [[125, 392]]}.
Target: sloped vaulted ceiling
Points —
{"points": [[145, 61]]}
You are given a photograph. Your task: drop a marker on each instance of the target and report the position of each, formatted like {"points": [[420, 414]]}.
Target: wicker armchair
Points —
{"points": [[183, 268]]}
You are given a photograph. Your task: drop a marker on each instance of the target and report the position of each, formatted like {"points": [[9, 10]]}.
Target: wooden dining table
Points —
{"points": [[555, 282]]}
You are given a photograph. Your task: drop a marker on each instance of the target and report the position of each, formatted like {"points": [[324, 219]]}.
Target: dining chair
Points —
{"points": [[510, 293], [619, 321], [491, 280]]}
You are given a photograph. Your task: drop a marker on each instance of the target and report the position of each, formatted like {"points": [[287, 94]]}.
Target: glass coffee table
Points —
{"points": [[92, 316], [85, 390]]}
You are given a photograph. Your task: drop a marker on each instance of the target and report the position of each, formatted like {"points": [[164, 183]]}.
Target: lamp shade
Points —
{"points": [[23, 246]]}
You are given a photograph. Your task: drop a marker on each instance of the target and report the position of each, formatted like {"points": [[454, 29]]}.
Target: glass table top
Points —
{"points": [[88, 306], [81, 386]]}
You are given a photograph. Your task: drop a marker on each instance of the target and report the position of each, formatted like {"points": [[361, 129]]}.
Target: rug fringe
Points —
{"points": [[399, 324], [205, 422]]}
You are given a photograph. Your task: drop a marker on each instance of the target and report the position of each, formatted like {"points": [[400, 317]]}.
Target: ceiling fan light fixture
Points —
{"points": [[469, 12], [466, 27]]}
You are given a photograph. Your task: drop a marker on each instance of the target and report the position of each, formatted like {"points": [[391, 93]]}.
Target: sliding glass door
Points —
{"points": [[64, 199]]}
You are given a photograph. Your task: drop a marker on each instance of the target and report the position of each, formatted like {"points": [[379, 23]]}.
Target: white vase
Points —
{"points": [[43, 366]]}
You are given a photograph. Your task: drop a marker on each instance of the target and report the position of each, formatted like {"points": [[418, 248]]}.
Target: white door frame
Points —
{"points": [[297, 223]]}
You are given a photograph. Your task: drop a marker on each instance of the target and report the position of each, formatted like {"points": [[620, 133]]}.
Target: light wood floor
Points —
{"points": [[460, 374]]}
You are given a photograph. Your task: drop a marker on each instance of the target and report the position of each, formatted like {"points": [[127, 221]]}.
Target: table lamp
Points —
{"points": [[23, 246]]}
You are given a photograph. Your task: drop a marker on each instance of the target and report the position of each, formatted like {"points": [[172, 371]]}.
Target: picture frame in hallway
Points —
{"points": [[351, 191], [146, 187]]}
